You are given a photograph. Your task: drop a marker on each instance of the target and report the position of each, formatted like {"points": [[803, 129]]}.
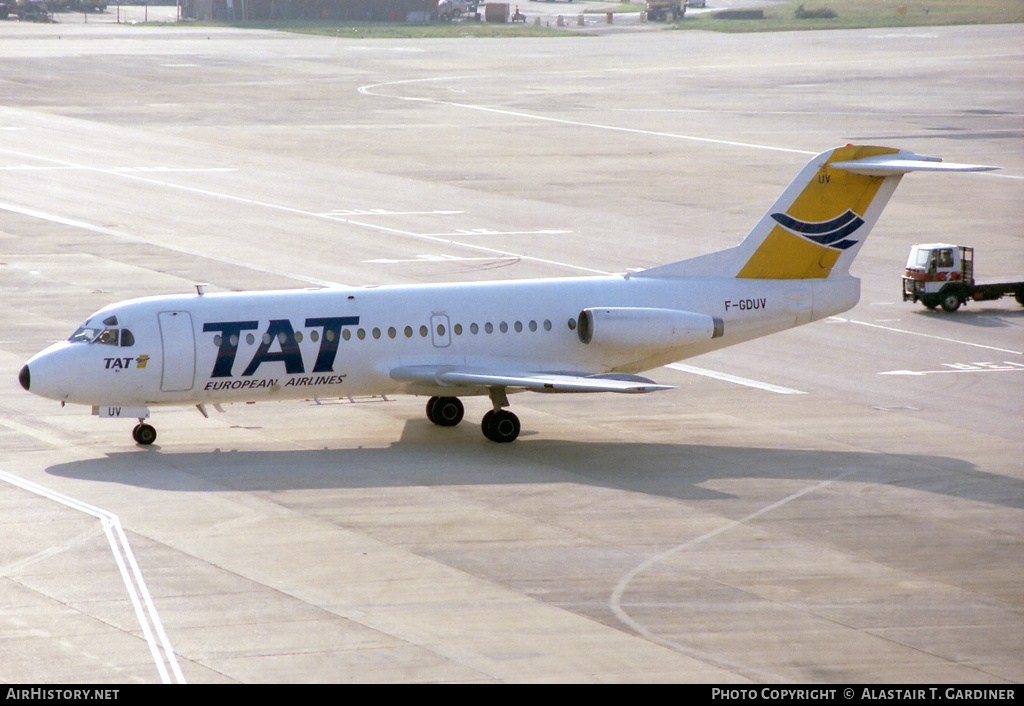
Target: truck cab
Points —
{"points": [[937, 274]]}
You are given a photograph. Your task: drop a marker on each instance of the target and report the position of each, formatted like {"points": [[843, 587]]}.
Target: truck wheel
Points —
{"points": [[950, 303]]}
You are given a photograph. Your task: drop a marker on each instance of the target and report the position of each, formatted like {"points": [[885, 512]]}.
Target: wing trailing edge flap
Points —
{"points": [[450, 376]]}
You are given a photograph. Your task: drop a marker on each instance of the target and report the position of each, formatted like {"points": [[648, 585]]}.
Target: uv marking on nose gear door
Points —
{"points": [[179, 356]]}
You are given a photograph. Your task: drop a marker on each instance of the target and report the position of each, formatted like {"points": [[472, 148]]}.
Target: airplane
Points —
{"points": [[446, 341]]}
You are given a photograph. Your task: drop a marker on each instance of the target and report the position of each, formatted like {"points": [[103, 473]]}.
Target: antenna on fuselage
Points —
{"points": [[201, 288]]}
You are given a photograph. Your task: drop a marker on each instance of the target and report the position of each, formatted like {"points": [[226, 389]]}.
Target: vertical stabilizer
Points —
{"points": [[819, 223]]}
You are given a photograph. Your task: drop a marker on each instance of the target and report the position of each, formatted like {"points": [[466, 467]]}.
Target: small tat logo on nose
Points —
{"points": [[142, 360], [831, 233]]}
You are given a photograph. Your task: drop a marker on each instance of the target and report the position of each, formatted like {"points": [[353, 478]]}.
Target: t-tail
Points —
{"points": [[817, 226]]}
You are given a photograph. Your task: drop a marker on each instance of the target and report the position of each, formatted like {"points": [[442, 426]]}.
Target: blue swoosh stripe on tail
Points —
{"points": [[825, 232]]}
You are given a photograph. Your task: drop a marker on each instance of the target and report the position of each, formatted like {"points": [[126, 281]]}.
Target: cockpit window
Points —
{"points": [[86, 333], [109, 337], [108, 334]]}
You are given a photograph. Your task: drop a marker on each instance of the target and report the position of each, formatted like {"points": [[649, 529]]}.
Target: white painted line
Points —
{"points": [[965, 368], [488, 231], [172, 169], [385, 212], [615, 600], [369, 91], [924, 335], [145, 611], [435, 258], [286, 209], [149, 170], [35, 168], [135, 239], [778, 389]]}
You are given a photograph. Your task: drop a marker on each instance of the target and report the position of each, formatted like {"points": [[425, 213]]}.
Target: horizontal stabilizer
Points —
{"points": [[449, 376], [903, 163]]}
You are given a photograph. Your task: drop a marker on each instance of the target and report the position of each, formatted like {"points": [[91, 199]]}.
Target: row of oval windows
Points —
{"points": [[392, 332]]}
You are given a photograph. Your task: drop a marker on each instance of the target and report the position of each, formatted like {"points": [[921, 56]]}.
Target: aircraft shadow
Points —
{"points": [[428, 456]]}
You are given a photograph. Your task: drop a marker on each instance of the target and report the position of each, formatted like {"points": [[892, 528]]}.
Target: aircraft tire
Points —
{"points": [[144, 434], [500, 426], [445, 411]]}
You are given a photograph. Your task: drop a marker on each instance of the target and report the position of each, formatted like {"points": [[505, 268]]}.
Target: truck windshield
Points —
{"points": [[919, 258]]}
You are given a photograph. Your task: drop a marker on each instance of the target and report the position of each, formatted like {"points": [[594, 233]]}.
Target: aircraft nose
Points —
{"points": [[25, 377]]}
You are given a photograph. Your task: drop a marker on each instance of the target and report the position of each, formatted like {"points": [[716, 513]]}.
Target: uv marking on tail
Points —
{"points": [[819, 223]]}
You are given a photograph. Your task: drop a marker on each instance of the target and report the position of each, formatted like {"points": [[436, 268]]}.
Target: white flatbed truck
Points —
{"points": [[939, 274]]}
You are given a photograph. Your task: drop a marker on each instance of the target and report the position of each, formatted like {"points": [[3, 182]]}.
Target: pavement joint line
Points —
{"points": [[147, 615]]}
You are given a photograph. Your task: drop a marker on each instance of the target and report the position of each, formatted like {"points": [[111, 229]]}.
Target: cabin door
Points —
{"points": [[179, 351]]}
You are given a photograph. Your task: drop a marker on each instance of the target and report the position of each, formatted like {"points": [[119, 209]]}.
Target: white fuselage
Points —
{"points": [[347, 342]]}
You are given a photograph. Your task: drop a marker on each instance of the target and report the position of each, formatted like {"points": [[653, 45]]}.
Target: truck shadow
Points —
{"points": [[979, 316]]}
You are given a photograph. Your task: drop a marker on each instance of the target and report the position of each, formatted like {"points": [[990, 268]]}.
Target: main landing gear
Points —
{"points": [[499, 425], [144, 434], [445, 411]]}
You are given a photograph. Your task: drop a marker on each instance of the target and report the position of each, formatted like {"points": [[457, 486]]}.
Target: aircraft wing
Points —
{"points": [[454, 376]]}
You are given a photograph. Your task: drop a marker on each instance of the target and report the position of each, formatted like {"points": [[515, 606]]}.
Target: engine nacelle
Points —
{"points": [[633, 327]]}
